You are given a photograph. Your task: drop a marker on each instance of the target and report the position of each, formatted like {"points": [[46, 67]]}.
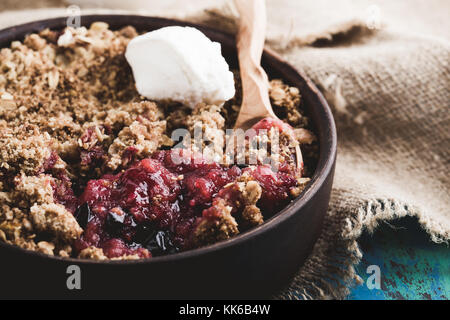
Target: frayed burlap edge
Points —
{"points": [[226, 17]]}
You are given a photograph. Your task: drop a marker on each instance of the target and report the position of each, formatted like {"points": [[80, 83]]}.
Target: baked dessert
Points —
{"points": [[89, 168]]}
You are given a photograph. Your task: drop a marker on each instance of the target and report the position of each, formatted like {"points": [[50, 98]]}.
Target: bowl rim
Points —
{"points": [[327, 154]]}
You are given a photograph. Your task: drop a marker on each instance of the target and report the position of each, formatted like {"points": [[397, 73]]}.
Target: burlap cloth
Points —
{"points": [[385, 71]]}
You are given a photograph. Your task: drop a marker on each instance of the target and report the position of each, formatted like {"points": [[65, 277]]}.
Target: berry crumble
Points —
{"points": [[88, 165]]}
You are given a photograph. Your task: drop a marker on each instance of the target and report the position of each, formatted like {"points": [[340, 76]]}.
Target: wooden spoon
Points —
{"points": [[255, 84]]}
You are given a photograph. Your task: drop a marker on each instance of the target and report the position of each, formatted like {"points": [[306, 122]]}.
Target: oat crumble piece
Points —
{"points": [[46, 247], [97, 254], [223, 226], [54, 218], [207, 120], [286, 102], [304, 136], [233, 210], [143, 135], [92, 253]]}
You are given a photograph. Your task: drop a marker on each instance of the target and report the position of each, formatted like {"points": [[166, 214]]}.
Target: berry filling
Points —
{"points": [[154, 207]]}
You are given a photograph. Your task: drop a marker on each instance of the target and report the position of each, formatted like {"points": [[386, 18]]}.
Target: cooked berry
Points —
{"points": [[116, 216], [83, 215], [167, 192], [115, 221], [160, 244]]}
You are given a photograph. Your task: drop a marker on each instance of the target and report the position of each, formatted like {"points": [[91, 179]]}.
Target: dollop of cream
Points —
{"points": [[180, 64]]}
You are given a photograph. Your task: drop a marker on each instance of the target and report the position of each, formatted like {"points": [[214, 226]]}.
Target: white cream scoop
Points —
{"points": [[180, 64]]}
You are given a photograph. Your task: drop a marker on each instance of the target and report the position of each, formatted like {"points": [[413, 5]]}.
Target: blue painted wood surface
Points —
{"points": [[412, 267]]}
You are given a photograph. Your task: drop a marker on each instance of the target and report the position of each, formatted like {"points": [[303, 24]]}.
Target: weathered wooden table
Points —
{"points": [[412, 267]]}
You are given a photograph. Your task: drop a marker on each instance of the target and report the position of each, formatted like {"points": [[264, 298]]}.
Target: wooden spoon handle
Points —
{"points": [[250, 44]]}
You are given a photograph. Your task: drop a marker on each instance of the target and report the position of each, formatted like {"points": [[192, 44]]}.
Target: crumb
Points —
{"points": [[92, 253], [97, 254], [304, 136], [46, 247], [55, 219], [210, 230]]}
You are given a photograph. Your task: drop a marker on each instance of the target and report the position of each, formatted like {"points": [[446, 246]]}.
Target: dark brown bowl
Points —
{"points": [[252, 265]]}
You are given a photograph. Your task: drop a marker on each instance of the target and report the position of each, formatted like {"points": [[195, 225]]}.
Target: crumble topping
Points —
{"points": [[207, 120], [97, 254], [70, 114], [55, 219]]}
